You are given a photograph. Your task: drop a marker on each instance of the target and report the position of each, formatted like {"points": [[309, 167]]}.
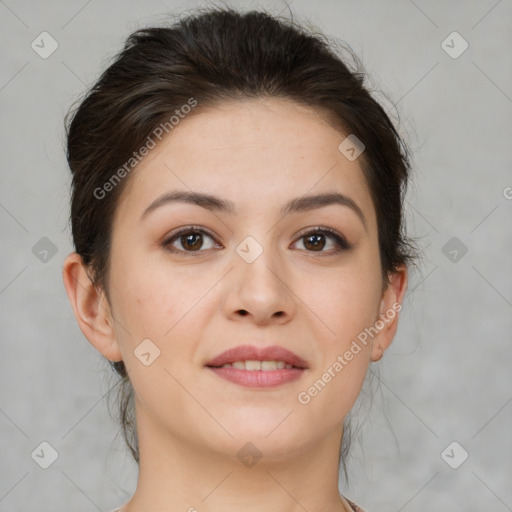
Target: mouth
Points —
{"points": [[255, 367]]}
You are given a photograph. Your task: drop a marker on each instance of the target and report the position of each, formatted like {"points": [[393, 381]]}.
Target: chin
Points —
{"points": [[272, 434]]}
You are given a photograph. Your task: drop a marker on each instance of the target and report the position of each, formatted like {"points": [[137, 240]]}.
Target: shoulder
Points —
{"points": [[354, 506], [120, 508]]}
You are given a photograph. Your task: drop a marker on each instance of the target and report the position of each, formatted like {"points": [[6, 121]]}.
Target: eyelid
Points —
{"points": [[184, 230], [187, 229], [340, 241]]}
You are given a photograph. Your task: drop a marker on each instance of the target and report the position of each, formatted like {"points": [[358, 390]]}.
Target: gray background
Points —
{"points": [[447, 376]]}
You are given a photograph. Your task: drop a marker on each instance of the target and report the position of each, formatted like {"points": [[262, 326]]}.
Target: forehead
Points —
{"points": [[257, 152]]}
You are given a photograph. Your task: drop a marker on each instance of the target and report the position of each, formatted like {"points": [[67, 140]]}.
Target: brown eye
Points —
{"points": [[189, 240], [192, 241], [316, 240]]}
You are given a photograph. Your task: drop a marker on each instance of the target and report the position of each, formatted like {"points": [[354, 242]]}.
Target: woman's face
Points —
{"points": [[192, 279]]}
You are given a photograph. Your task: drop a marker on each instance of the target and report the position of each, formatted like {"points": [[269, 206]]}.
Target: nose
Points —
{"points": [[259, 291]]}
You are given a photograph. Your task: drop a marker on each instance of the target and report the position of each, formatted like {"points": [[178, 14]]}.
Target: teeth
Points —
{"points": [[258, 365], [253, 365]]}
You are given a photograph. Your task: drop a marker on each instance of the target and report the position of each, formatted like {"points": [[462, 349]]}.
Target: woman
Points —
{"points": [[240, 257]]}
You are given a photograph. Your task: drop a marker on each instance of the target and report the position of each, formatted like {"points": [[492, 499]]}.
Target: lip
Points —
{"points": [[252, 353], [258, 378]]}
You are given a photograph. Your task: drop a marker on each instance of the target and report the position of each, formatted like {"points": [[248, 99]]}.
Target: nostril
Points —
{"points": [[243, 312]]}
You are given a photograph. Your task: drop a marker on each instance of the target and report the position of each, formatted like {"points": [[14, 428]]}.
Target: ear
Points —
{"points": [[91, 308], [390, 306]]}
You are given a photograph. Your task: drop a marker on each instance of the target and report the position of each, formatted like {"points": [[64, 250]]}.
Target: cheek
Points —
{"points": [[345, 305], [347, 301], [167, 306], [345, 309]]}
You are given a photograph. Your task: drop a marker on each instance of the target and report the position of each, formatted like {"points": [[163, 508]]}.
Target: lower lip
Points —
{"points": [[258, 378]]}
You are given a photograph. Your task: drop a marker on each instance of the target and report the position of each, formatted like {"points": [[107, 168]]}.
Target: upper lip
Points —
{"points": [[252, 353]]}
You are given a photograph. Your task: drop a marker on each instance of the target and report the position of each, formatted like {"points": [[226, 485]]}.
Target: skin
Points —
{"points": [[191, 423]]}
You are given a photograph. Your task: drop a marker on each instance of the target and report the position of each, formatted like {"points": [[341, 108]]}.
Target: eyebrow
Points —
{"points": [[217, 204]]}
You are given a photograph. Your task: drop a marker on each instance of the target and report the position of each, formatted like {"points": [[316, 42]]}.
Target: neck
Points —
{"points": [[176, 475]]}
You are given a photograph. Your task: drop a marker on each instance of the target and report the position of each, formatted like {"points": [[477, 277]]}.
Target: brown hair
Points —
{"points": [[213, 55]]}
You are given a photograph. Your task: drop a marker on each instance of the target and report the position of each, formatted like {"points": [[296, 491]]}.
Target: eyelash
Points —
{"points": [[340, 241]]}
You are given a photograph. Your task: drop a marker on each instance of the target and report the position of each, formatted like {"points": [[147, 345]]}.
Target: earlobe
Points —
{"points": [[390, 306], [90, 307]]}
